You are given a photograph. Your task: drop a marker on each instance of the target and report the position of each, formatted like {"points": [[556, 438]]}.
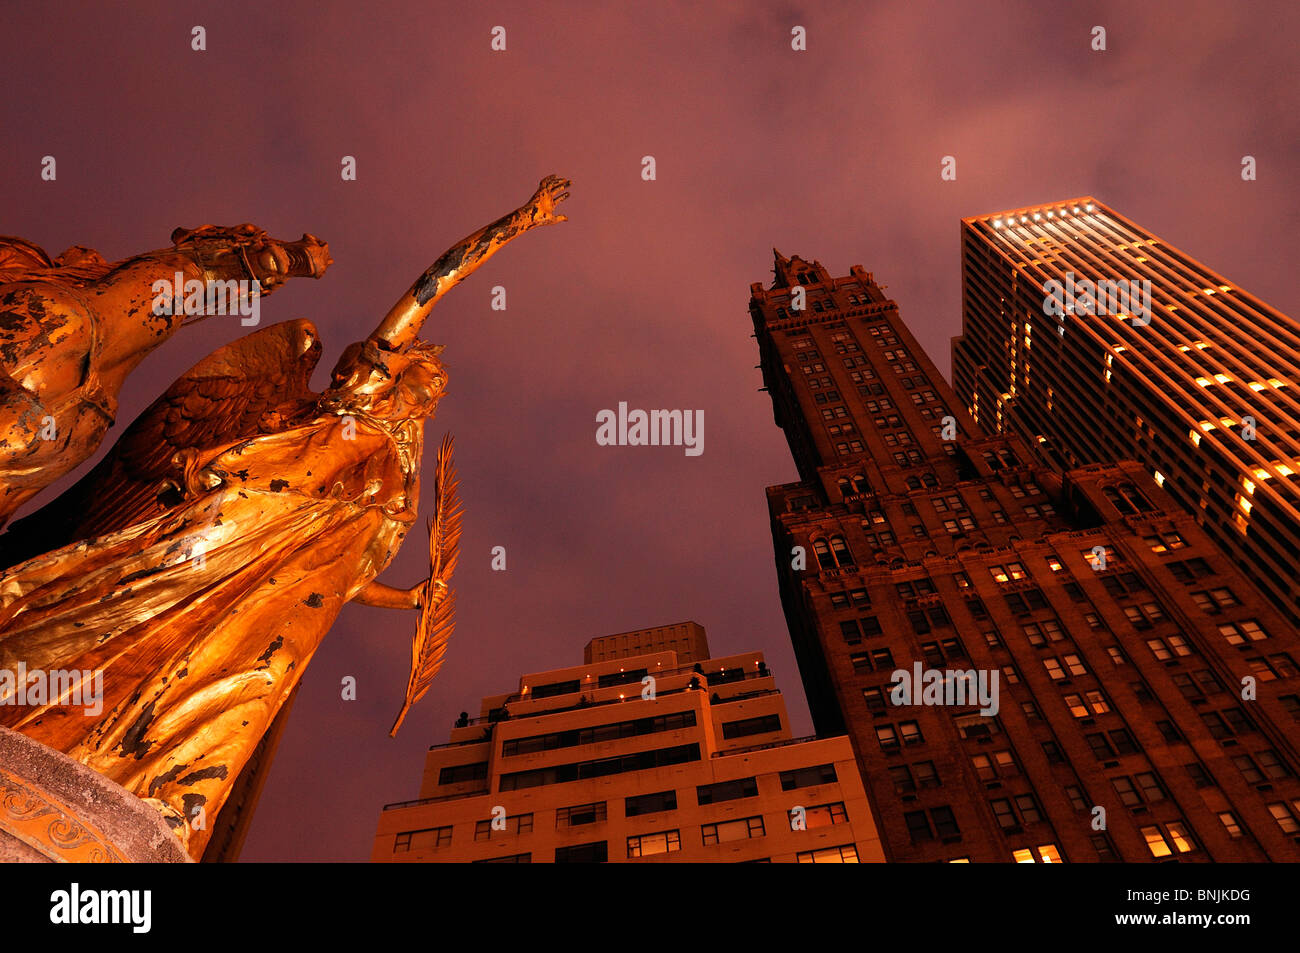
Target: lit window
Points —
{"points": [[646, 845]]}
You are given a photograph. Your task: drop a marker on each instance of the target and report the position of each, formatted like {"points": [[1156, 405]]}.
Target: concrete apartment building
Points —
{"points": [[648, 752]]}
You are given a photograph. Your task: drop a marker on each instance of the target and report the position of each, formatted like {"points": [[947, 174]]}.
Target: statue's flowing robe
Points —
{"points": [[214, 607]]}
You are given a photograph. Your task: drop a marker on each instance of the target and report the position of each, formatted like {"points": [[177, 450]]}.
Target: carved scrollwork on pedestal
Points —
{"points": [[49, 826]]}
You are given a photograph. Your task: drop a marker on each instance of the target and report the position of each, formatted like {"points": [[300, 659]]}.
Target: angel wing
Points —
{"points": [[251, 385]]}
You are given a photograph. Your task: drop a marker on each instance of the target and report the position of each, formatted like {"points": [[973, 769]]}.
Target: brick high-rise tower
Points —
{"points": [[1200, 389], [1118, 632]]}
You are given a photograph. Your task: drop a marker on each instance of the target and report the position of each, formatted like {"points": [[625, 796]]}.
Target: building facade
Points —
{"points": [[1114, 637], [637, 756], [1099, 342]]}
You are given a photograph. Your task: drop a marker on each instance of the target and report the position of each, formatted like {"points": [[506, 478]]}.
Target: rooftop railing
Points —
{"points": [[593, 684]]}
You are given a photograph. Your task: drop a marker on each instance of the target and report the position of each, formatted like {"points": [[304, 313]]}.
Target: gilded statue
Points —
{"points": [[201, 563], [73, 327]]}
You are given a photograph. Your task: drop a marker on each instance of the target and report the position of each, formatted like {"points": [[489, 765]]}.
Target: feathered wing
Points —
{"points": [[436, 620], [249, 386]]}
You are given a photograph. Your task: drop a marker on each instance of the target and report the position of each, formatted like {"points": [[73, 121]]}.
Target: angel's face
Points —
{"points": [[412, 396], [420, 386], [389, 386]]}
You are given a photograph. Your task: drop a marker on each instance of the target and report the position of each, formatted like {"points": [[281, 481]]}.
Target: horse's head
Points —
{"points": [[249, 249]]}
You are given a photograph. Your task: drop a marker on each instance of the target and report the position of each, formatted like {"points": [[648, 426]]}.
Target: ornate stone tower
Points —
{"points": [[1114, 634]]}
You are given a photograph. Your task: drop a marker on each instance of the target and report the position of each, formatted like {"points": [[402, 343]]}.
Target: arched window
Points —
{"points": [[930, 479], [846, 489], [1121, 503], [823, 551], [1136, 497], [913, 483], [860, 484], [840, 548]]}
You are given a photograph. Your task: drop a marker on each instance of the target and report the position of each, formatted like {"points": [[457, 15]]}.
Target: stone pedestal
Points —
{"points": [[54, 809]]}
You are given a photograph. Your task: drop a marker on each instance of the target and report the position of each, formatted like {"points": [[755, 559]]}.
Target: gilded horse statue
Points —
{"points": [[73, 327]]}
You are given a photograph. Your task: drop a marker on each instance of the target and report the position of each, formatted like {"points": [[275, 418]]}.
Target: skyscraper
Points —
{"points": [[1099, 342], [650, 751], [1074, 645]]}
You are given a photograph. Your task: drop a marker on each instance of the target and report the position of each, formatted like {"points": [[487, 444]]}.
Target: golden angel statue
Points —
{"points": [[201, 563]]}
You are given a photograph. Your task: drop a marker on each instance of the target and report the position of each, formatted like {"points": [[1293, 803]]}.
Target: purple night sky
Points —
{"points": [[833, 154]]}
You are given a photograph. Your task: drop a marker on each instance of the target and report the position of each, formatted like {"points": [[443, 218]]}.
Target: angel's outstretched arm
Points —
{"points": [[402, 324]]}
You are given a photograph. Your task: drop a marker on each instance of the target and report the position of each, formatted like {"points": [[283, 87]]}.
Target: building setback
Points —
{"points": [[1200, 389], [586, 764], [1119, 633]]}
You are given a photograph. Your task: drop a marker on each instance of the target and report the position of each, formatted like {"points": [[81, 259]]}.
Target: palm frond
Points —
{"points": [[436, 620]]}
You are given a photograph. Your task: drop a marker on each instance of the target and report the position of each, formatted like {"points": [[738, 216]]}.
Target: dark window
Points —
{"points": [[579, 814], [751, 726], [807, 777], [598, 733], [918, 826], [926, 775], [621, 678], [1123, 741], [945, 823], [1025, 601], [556, 688], [460, 773], [901, 775], [726, 790], [515, 824], [1100, 746], [579, 770], [595, 853], [1101, 844], [512, 859], [875, 699], [650, 803], [430, 838]]}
